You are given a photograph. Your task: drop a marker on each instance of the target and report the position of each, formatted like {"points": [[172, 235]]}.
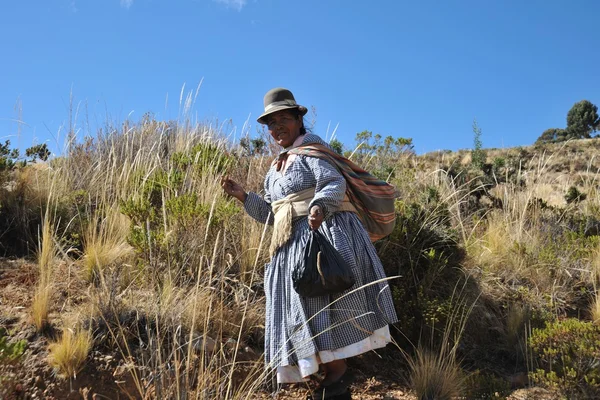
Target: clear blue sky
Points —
{"points": [[419, 69]]}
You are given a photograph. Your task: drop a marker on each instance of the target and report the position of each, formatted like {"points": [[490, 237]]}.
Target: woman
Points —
{"points": [[303, 333]]}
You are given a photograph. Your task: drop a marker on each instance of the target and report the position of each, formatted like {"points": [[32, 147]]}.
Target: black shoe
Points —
{"points": [[347, 395], [337, 390]]}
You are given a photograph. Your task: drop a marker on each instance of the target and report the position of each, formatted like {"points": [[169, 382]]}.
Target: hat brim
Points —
{"points": [[263, 118]]}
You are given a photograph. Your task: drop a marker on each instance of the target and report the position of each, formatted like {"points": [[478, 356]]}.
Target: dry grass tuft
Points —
{"points": [[595, 309], [67, 356], [595, 266], [105, 242], [47, 255], [40, 307], [435, 375]]}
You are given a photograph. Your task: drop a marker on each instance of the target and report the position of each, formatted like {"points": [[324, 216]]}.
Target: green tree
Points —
{"points": [[380, 155], [8, 156], [40, 150], [363, 140], [552, 135], [255, 146], [373, 143], [582, 120], [258, 145], [337, 146]]}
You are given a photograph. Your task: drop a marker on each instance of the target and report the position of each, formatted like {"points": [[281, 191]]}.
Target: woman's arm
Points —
{"points": [[259, 208], [330, 187]]}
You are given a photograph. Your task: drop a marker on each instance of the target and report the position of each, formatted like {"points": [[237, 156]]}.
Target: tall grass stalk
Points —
{"points": [[47, 255]]}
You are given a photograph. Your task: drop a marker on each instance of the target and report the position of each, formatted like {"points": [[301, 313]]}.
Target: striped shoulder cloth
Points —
{"points": [[372, 197]]}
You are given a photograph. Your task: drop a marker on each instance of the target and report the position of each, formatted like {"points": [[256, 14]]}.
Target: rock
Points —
{"points": [[533, 393], [85, 393], [248, 354], [205, 343], [120, 370], [519, 380], [231, 343], [39, 382], [73, 395]]}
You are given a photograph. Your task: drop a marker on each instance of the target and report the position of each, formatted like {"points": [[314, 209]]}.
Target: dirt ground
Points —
{"points": [[378, 376]]}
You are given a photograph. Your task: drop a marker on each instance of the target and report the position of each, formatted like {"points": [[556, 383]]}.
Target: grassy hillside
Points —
{"points": [[138, 268]]}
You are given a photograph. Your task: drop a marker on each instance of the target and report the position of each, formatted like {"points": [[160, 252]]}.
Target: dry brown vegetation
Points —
{"points": [[148, 276]]}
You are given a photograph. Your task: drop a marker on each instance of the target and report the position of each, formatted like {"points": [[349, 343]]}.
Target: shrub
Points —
{"points": [[423, 250], [10, 352], [568, 354], [481, 385], [10, 355], [552, 135], [478, 155], [499, 162], [573, 195], [24, 191]]}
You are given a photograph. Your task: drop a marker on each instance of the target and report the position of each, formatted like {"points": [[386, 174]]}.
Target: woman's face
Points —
{"points": [[284, 127]]}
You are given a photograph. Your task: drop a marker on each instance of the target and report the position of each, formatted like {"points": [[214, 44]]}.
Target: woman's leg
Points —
{"points": [[334, 370]]}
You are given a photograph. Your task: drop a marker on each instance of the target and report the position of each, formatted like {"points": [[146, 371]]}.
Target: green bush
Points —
{"points": [[484, 386], [10, 352], [499, 162], [423, 251], [568, 355], [168, 219], [10, 355], [573, 195], [478, 154], [204, 157]]}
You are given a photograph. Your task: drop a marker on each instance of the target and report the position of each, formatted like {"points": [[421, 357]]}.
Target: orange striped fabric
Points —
{"points": [[372, 197]]}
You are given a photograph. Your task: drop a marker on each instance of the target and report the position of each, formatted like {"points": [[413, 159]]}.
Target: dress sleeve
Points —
{"points": [[259, 208], [330, 187]]}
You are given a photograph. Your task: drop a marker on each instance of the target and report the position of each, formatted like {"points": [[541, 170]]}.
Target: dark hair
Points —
{"points": [[303, 129]]}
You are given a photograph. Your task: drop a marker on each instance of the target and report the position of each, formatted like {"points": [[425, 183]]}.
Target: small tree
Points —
{"points": [[8, 161], [38, 151], [363, 141], [380, 155], [552, 135], [337, 146], [478, 155], [254, 146], [582, 120]]}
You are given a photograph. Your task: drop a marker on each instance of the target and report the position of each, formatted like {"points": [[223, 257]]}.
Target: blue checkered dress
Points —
{"points": [[296, 327]]}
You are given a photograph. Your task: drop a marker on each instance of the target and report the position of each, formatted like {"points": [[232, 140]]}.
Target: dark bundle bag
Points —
{"points": [[322, 270]]}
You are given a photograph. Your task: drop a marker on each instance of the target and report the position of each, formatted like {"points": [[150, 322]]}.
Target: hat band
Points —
{"points": [[280, 103]]}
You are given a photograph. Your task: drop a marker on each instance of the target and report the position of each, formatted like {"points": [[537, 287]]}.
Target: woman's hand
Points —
{"points": [[233, 189], [315, 218]]}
